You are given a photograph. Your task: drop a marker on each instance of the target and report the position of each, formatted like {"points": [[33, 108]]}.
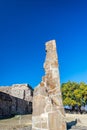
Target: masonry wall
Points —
{"points": [[16, 99]]}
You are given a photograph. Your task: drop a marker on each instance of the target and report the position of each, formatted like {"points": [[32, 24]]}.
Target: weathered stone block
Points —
{"points": [[39, 104], [54, 121]]}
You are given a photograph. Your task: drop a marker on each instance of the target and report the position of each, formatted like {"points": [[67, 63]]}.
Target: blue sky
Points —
{"points": [[25, 26]]}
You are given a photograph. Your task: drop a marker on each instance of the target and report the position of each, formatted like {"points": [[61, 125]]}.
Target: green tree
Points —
{"points": [[74, 93]]}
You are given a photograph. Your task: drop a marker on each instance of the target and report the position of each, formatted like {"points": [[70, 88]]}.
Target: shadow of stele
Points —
{"points": [[70, 124]]}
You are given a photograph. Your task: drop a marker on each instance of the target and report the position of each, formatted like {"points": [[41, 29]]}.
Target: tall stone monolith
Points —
{"points": [[48, 112]]}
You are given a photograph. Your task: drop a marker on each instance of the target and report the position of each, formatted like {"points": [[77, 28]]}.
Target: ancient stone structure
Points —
{"points": [[48, 112], [16, 99]]}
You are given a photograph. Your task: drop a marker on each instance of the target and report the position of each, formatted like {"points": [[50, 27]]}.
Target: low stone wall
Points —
{"points": [[16, 99]]}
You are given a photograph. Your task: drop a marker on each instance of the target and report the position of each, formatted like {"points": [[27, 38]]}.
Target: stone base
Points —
{"points": [[49, 121]]}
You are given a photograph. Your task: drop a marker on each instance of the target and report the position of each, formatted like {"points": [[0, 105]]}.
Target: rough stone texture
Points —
{"points": [[16, 99], [48, 112]]}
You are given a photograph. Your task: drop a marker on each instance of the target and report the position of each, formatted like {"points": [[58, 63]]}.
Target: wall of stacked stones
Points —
{"points": [[16, 99]]}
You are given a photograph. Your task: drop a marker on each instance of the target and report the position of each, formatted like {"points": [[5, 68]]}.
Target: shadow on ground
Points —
{"points": [[71, 124]]}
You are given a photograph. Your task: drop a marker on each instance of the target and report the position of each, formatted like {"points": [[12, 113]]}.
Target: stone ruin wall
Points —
{"points": [[48, 111], [16, 99]]}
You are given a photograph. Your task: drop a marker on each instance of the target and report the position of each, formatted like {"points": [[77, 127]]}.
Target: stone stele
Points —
{"points": [[48, 112]]}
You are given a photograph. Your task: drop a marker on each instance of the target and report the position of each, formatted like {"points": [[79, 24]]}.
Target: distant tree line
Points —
{"points": [[74, 93]]}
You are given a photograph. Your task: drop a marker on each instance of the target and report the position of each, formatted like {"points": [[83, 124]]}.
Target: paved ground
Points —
{"points": [[24, 122]]}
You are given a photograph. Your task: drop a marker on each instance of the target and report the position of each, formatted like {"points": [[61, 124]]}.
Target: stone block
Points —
{"points": [[39, 104]]}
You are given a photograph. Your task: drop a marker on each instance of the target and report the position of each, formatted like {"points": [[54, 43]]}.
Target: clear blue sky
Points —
{"points": [[25, 25]]}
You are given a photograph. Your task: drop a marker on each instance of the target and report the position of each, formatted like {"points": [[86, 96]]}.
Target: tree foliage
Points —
{"points": [[74, 93]]}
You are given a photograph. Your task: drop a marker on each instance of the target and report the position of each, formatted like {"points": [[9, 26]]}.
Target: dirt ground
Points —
{"points": [[24, 122], [81, 119], [19, 122], [76, 121]]}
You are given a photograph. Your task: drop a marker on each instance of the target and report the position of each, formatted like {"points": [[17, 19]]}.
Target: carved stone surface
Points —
{"points": [[16, 99], [48, 112]]}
